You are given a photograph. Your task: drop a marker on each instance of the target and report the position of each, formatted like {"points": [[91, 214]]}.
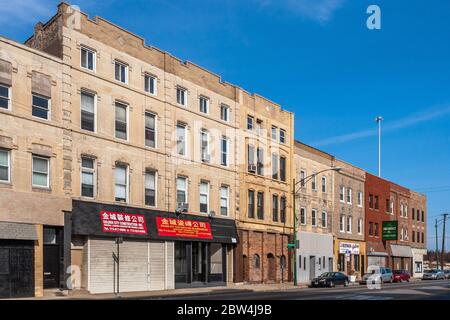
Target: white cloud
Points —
{"points": [[318, 10], [390, 126]]}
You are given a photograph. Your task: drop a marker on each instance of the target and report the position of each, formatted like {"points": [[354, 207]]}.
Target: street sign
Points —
{"points": [[291, 245], [390, 230]]}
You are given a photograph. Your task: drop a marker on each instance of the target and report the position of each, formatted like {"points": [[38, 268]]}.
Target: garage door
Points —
{"points": [[16, 269]]}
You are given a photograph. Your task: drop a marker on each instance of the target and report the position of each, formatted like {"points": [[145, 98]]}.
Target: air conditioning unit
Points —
{"points": [[206, 157], [182, 207], [252, 168]]}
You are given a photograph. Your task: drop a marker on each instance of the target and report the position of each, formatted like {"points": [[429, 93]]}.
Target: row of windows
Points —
{"points": [[345, 224], [278, 206], [419, 239], [278, 163], [277, 134], [373, 204], [314, 219], [346, 195]]}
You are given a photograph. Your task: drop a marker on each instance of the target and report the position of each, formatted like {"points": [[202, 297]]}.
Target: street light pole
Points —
{"points": [[378, 120], [437, 248]]}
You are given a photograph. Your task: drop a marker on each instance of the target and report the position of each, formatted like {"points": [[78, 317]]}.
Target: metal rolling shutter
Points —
{"points": [[157, 253], [133, 266], [101, 265]]}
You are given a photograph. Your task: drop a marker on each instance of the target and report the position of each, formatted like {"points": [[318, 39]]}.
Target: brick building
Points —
{"points": [[418, 236]]}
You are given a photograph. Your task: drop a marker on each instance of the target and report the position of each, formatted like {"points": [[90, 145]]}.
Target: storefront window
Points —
{"points": [[216, 258], [356, 263], [341, 261], [419, 267], [180, 262]]}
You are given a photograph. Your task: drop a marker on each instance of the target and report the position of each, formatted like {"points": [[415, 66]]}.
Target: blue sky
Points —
{"points": [[317, 59]]}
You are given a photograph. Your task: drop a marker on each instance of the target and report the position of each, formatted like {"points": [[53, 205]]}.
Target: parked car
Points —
{"points": [[377, 274], [433, 275], [447, 274], [330, 279], [401, 275]]}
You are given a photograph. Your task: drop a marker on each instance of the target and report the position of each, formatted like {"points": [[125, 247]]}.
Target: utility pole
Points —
{"points": [[437, 248], [378, 120], [443, 242], [295, 231]]}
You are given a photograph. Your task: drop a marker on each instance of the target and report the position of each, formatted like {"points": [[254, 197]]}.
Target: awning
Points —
{"points": [[377, 254], [17, 231], [401, 251]]}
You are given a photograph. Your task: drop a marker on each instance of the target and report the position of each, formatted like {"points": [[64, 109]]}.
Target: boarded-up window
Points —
{"points": [[41, 84], [5, 73]]}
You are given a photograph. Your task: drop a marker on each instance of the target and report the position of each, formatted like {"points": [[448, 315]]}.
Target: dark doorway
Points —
{"points": [[198, 262], [53, 256], [16, 269], [312, 267], [272, 267]]}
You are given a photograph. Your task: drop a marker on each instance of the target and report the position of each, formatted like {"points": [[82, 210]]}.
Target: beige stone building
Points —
{"points": [[348, 220], [314, 211]]}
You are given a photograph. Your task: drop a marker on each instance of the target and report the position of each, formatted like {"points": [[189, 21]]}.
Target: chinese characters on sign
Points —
{"points": [[119, 222], [171, 227]]}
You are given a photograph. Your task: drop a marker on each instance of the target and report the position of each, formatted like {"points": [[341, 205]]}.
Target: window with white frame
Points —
{"points": [[406, 211], [88, 58], [342, 223], [204, 145], [204, 197], [87, 177], [150, 83], [87, 111], [274, 133], [41, 107], [314, 182], [5, 165], [181, 96], [274, 166], [150, 188], [224, 112], [324, 184], [314, 217], [324, 219], [121, 71], [224, 200], [349, 224], [360, 226], [283, 168], [349, 196], [121, 121], [150, 130], [401, 234], [260, 161], [121, 182], [275, 207], [302, 177], [360, 199], [259, 126], [401, 209], [182, 195], [342, 194], [41, 172], [204, 105], [224, 151], [250, 122], [303, 216], [181, 139], [5, 96], [282, 136], [392, 207], [406, 234]]}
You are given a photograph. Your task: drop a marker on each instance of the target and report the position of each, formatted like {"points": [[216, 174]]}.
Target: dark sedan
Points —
{"points": [[330, 279]]}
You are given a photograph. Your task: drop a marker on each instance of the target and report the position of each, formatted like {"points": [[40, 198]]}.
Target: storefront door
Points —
{"points": [[52, 256], [198, 262]]}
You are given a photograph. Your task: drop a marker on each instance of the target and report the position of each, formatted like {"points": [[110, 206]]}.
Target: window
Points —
{"points": [[121, 193], [275, 207], [360, 226], [423, 238], [5, 101], [88, 111], [401, 209], [181, 139], [260, 161], [406, 234], [274, 133], [181, 96], [224, 112], [150, 130], [360, 199], [182, 190], [150, 84], [204, 197], [324, 184], [370, 201], [283, 209], [274, 166], [314, 217], [342, 223], [302, 216], [413, 216], [204, 145], [375, 232], [314, 182], [121, 72], [324, 219], [256, 261], [121, 121], [406, 211], [250, 121], [349, 224], [41, 107], [413, 236], [150, 188], [251, 156], [251, 204], [371, 229], [392, 207], [423, 217], [41, 170], [259, 126], [302, 177], [260, 205], [5, 165], [224, 146], [204, 105], [376, 205], [342, 194], [224, 200], [349, 196], [401, 234], [283, 169], [356, 262], [282, 136], [87, 177], [88, 59]]}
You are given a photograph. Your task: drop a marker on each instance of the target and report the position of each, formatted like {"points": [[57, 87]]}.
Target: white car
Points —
{"points": [[433, 275], [377, 275]]}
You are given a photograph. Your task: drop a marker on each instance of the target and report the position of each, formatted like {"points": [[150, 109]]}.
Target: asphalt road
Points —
{"points": [[418, 290]]}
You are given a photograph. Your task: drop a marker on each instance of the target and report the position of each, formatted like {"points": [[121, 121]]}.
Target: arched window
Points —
{"points": [[256, 261]]}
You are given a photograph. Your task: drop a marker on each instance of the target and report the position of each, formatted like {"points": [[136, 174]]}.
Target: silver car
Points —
{"points": [[433, 275], [378, 274]]}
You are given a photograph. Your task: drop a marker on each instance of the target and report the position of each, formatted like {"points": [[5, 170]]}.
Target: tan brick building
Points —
{"points": [[418, 235]]}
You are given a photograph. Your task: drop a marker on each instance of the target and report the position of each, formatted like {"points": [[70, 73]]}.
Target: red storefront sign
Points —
{"points": [[171, 227], [120, 222]]}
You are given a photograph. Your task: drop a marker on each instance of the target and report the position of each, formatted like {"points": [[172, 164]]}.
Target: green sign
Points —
{"points": [[390, 230], [291, 245]]}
